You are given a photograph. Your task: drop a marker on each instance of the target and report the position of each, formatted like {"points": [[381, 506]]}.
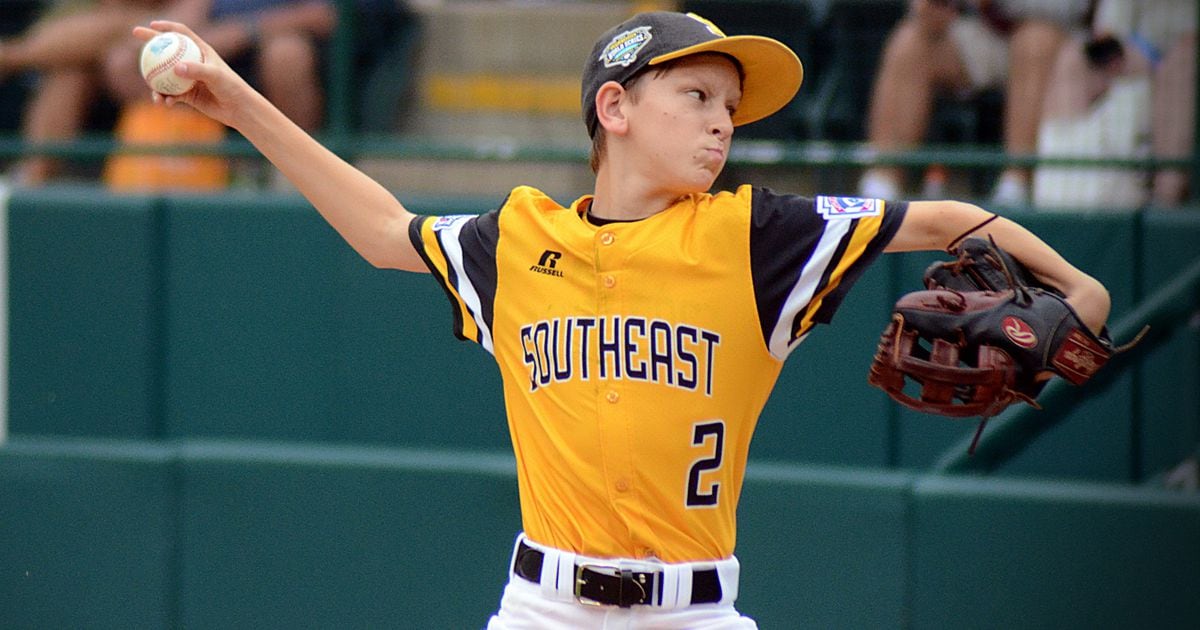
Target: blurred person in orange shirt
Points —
{"points": [[277, 43], [64, 49]]}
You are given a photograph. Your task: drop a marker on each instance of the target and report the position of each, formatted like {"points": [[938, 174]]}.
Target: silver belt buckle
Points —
{"points": [[622, 574]]}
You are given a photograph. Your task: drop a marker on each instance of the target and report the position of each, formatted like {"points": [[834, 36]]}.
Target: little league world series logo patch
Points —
{"points": [[848, 207], [448, 221], [623, 48]]}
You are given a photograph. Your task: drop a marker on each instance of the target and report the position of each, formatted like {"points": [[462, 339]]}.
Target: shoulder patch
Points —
{"points": [[848, 207], [448, 221]]}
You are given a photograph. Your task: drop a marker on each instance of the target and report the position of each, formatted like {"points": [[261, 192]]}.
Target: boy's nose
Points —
{"points": [[723, 128]]}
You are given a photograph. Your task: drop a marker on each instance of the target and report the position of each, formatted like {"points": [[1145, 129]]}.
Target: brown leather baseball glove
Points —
{"points": [[981, 338], [980, 265]]}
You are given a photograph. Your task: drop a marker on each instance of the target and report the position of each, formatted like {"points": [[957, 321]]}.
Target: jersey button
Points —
{"points": [[612, 396], [622, 485], [607, 238], [609, 282]]}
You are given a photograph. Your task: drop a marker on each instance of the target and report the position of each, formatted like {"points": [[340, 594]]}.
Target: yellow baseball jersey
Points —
{"points": [[637, 356]]}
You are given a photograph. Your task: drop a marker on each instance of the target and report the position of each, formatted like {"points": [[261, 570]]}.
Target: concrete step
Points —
{"points": [[510, 68]]}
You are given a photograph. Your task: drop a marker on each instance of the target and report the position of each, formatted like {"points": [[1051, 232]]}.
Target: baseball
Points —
{"points": [[159, 58]]}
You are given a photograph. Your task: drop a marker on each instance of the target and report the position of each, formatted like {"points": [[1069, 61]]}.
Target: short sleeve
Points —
{"points": [[460, 251], [806, 253]]}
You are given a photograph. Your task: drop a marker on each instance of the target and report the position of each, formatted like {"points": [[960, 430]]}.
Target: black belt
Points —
{"points": [[608, 585]]}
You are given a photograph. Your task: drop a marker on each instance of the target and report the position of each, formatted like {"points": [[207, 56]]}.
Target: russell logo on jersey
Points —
{"points": [[547, 262]]}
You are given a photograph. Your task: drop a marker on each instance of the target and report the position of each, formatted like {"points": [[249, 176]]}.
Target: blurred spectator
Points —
{"points": [[64, 48], [277, 44], [81, 53], [1125, 91], [962, 47]]}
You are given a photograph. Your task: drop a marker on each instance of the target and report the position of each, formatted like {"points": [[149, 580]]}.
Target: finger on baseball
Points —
{"points": [[164, 100], [197, 71], [161, 26], [178, 27], [145, 34]]}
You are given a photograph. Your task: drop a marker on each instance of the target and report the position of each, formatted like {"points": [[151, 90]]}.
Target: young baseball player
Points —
{"points": [[640, 329]]}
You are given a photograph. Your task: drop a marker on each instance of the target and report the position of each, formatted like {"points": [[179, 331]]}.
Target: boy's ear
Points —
{"points": [[609, 114]]}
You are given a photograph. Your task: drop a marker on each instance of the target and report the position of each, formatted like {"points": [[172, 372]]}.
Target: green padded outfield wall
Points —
{"points": [[1170, 391], [243, 316], [343, 538], [823, 547], [84, 314], [88, 535], [277, 329], [205, 534], [991, 553]]}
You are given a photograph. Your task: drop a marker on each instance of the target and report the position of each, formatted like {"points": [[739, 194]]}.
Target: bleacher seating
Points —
{"points": [[846, 49]]}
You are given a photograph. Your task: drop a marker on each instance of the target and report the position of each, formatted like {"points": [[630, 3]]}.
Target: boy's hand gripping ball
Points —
{"points": [[159, 57]]}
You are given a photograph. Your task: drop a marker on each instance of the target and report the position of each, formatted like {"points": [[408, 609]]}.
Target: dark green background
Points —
{"points": [[221, 417]]}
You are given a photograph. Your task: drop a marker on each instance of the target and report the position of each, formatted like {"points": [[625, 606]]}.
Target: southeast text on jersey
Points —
{"points": [[619, 347]]}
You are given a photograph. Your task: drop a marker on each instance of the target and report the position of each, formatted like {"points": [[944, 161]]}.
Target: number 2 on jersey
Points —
{"points": [[700, 434]]}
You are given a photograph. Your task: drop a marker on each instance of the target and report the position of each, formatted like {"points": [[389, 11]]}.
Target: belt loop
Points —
{"points": [[669, 590], [512, 562], [564, 586], [683, 595], [549, 578], [728, 570]]}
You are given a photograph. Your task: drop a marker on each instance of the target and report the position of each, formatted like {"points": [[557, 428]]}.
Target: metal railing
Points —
{"points": [[340, 135], [799, 154]]}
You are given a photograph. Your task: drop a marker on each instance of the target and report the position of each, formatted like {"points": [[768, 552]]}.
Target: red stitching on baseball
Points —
{"points": [[170, 61]]}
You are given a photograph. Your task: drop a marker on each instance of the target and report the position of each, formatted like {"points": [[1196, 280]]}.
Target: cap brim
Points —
{"points": [[772, 73]]}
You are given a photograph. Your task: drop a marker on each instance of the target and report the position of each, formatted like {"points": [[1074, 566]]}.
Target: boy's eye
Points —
{"points": [[699, 95]]}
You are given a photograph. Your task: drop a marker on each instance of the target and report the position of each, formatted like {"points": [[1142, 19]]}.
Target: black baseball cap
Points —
{"points": [[771, 71]]}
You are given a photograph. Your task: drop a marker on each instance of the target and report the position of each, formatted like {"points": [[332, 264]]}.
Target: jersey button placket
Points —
{"points": [[608, 280], [612, 420]]}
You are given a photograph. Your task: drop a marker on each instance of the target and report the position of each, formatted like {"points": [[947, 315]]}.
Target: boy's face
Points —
{"points": [[680, 121]]}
